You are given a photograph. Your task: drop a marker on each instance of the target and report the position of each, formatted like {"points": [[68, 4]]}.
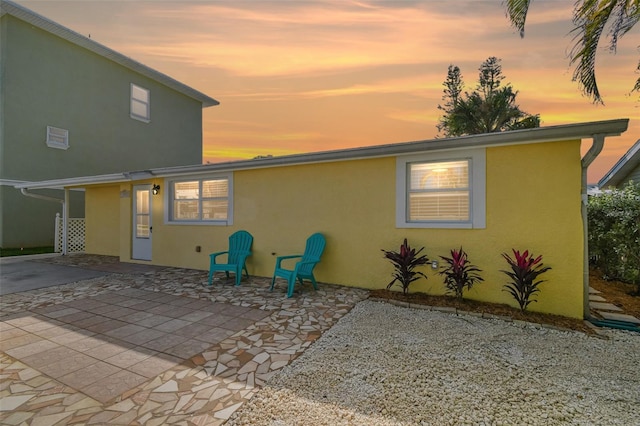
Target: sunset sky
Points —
{"points": [[302, 76]]}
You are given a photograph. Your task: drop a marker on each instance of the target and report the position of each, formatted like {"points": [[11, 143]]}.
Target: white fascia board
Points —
{"points": [[525, 136], [11, 182], [69, 182], [27, 15], [623, 166]]}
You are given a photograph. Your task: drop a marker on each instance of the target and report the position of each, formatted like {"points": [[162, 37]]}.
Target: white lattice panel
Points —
{"points": [[76, 234]]}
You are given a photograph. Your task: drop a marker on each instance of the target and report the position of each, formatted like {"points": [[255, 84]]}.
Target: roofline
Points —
{"points": [[45, 24], [537, 135], [76, 181], [623, 166]]}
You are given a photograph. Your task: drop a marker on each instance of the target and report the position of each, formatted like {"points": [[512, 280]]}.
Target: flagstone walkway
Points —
{"points": [[151, 348], [601, 308]]}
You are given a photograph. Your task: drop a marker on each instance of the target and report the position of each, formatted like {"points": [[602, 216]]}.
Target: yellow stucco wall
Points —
{"points": [[533, 202], [102, 224]]}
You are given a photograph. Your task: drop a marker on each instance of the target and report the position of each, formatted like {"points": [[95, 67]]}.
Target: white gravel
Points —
{"points": [[388, 365]]}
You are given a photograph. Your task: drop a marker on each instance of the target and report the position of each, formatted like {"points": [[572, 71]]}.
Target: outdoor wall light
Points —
{"points": [[156, 189], [434, 264]]}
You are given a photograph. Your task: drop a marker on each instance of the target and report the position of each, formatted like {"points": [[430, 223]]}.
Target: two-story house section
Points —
{"points": [[72, 107]]}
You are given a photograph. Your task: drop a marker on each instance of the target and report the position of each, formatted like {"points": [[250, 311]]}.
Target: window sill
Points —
{"points": [[437, 225], [199, 222], [57, 145], [137, 118]]}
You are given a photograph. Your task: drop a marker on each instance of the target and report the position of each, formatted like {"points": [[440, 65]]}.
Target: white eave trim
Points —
{"points": [[516, 137], [65, 33], [11, 182], [623, 166], [77, 181]]}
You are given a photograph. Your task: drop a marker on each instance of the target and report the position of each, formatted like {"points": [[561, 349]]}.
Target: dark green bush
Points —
{"points": [[614, 233]]}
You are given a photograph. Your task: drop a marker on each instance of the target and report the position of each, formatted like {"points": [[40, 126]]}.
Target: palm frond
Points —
{"points": [[517, 13], [626, 15], [590, 20]]}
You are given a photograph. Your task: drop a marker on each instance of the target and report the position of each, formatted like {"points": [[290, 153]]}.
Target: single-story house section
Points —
{"points": [[488, 193]]}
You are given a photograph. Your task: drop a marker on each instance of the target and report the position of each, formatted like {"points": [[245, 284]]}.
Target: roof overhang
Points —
{"points": [[74, 182], [39, 21], [629, 161], [525, 136]]}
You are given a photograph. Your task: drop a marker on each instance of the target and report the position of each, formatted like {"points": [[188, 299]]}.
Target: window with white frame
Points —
{"points": [[140, 103], [57, 138], [441, 190], [201, 200]]}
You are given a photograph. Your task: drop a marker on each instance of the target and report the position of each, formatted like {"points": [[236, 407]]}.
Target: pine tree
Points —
{"points": [[490, 108]]}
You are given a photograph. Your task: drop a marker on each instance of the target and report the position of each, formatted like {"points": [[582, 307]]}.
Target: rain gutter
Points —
{"points": [[524, 136], [596, 148], [41, 197], [514, 137]]}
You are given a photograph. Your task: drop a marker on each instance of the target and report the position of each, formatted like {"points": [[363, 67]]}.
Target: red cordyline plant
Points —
{"points": [[524, 273], [405, 263], [459, 273]]}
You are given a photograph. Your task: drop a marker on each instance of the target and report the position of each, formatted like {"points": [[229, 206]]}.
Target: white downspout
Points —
{"points": [[596, 148], [41, 197], [65, 210]]}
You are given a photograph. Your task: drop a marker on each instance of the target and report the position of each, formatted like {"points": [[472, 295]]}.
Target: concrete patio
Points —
{"points": [[151, 345]]}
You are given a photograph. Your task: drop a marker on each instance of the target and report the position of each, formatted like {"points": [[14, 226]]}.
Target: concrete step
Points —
{"points": [[604, 306], [596, 298], [619, 317]]}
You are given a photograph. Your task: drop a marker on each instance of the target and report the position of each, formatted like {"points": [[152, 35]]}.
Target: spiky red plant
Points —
{"points": [[524, 273], [405, 263], [460, 273]]}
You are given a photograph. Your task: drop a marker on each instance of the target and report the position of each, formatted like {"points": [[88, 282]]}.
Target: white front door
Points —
{"points": [[142, 229]]}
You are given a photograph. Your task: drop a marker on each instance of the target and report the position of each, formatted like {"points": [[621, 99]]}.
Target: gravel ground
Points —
{"points": [[388, 365]]}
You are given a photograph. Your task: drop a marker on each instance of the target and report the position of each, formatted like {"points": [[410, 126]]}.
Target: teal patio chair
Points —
{"points": [[239, 249], [303, 269]]}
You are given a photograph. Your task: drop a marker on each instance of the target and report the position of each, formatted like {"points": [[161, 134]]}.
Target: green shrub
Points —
{"points": [[614, 233], [405, 261]]}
